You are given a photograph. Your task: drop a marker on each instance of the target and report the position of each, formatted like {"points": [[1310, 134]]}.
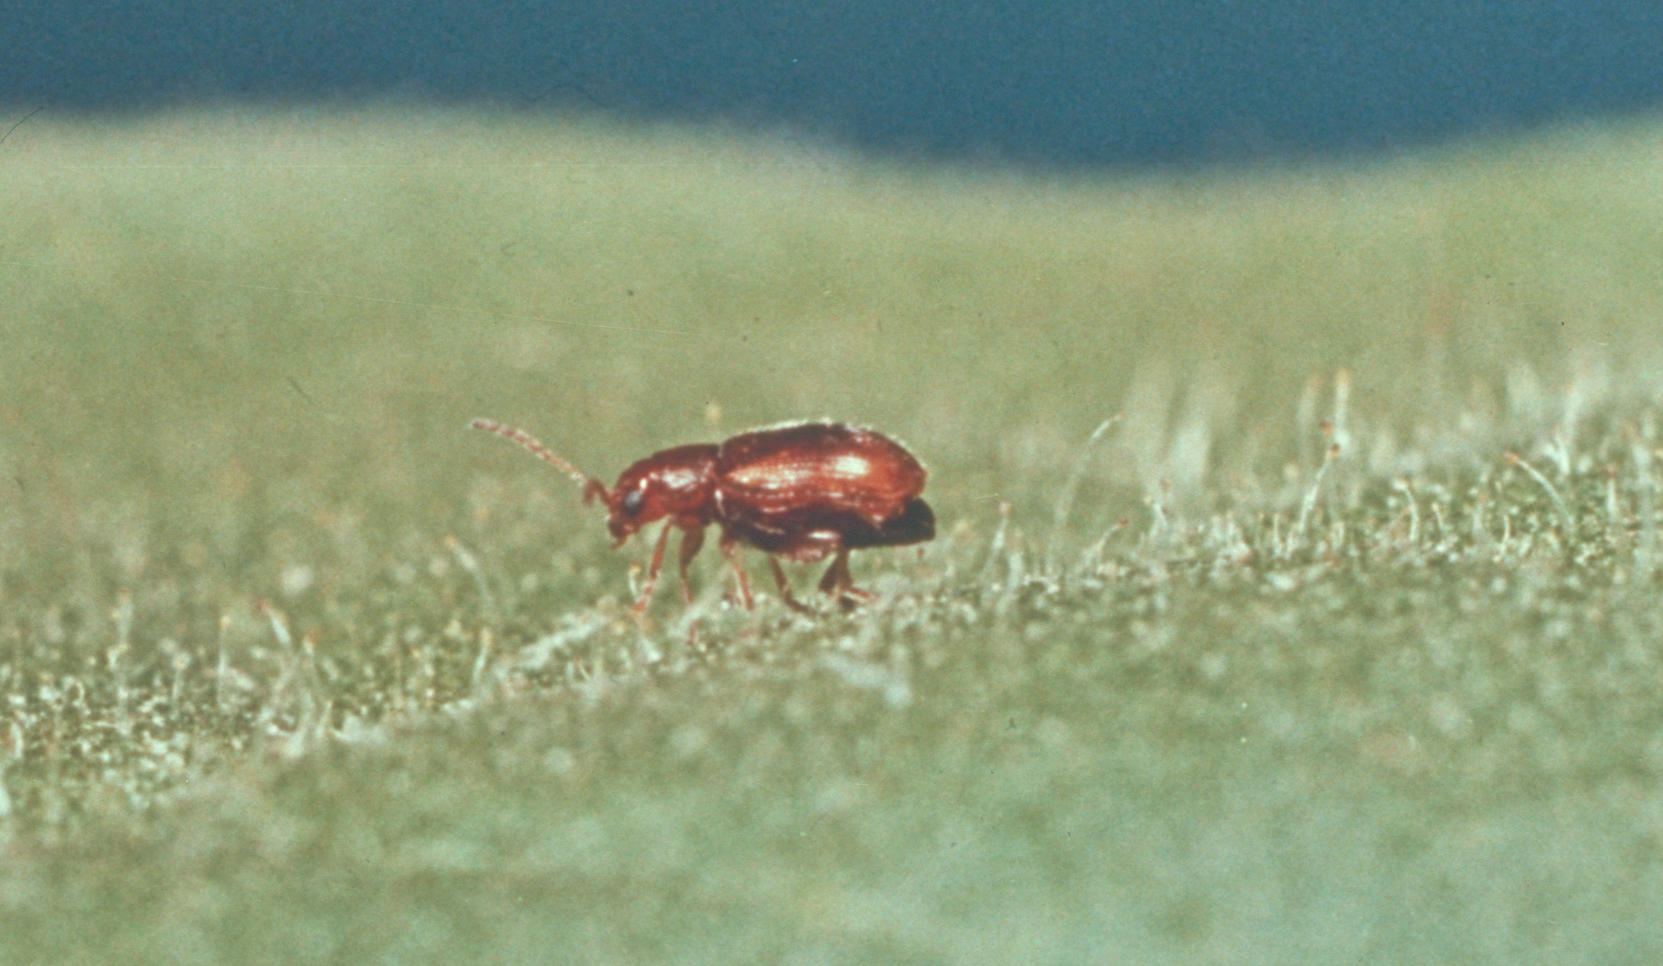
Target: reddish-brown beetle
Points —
{"points": [[800, 491]]}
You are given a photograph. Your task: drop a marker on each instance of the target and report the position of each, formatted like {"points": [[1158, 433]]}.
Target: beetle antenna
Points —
{"points": [[591, 486]]}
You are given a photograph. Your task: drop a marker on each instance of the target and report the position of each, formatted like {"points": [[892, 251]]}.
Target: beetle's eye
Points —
{"points": [[632, 501]]}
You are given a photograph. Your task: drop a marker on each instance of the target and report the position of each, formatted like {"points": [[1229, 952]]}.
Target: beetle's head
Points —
{"points": [[637, 500]]}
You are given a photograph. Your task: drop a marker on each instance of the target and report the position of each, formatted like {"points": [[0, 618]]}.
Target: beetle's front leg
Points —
{"points": [[653, 568], [691, 542]]}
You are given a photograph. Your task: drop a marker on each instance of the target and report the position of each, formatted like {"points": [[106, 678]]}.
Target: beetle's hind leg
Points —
{"points": [[789, 598], [840, 584]]}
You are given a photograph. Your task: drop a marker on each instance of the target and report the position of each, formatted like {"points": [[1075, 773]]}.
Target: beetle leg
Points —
{"points": [[785, 587], [691, 542], [730, 550], [839, 583], [837, 574], [653, 568]]}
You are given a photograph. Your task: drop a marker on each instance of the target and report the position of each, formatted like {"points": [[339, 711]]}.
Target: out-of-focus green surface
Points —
{"points": [[1347, 648]]}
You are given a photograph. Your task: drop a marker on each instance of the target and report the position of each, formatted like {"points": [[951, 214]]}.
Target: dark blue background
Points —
{"points": [[1063, 82]]}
